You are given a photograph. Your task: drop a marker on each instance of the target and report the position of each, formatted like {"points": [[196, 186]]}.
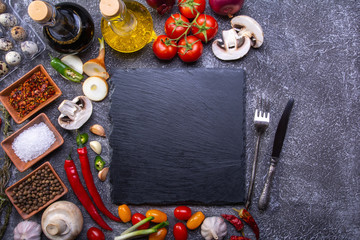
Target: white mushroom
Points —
{"points": [[62, 220], [236, 43], [74, 113]]}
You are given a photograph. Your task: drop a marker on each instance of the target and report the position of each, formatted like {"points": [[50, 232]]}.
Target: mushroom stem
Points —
{"points": [[57, 227], [69, 108]]}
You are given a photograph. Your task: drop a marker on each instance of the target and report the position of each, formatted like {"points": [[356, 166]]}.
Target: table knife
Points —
{"points": [[278, 143]]}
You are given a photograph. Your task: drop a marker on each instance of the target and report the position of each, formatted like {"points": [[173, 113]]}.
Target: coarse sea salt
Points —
{"points": [[33, 142]]}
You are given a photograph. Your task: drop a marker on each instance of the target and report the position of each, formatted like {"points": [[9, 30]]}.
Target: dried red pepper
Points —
{"points": [[239, 238], [89, 180], [246, 217], [236, 222], [30, 94], [81, 193]]}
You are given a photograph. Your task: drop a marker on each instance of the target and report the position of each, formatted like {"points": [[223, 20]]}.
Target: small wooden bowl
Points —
{"points": [[5, 94], [7, 143], [10, 190]]}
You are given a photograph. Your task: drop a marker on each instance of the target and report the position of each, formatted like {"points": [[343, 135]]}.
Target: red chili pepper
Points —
{"points": [[89, 180], [81, 194], [234, 221], [239, 238], [246, 217]]}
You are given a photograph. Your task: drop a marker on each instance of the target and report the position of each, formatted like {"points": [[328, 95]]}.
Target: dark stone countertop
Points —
{"points": [[310, 53]]}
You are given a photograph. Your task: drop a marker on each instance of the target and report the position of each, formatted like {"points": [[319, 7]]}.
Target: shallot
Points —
{"points": [[226, 7]]}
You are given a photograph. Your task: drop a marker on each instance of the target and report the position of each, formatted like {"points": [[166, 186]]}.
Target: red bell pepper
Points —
{"points": [[81, 193]]}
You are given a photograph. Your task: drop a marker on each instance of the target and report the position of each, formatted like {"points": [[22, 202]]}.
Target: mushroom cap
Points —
{"points": [[232, 46], [75, 113], [247, 26], [62, 220]]}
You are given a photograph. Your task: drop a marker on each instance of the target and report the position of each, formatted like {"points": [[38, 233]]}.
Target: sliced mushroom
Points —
{"points": [[74, 113], [232, 46], [236, 43], [247, 26]]}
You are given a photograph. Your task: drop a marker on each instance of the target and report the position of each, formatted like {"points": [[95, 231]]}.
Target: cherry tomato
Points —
{"points": [[158, 215], [190, 49], [124, 213], [164, 48], [182, 213], [195, 220], [180, 231], [176, 25], [190, 8], [205, 27], [95, 234], [159, 235], [137, 217]]}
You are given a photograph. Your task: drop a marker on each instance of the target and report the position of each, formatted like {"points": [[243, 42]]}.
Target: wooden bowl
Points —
{"points": [[10, 191], [7, 143], [5, 95]]}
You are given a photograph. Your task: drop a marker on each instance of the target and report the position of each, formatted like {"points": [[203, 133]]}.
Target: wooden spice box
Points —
{"points": [[5, 94], [7, 143], [11, 194]]}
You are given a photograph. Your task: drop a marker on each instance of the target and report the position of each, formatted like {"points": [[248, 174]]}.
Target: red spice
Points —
{"points": [[31, 93]]}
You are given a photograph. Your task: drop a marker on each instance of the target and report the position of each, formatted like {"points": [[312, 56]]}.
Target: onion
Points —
{"points": [[162, 6], [226, 7]]}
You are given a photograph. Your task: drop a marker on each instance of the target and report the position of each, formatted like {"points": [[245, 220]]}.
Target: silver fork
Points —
{"points": [[261, 123]]}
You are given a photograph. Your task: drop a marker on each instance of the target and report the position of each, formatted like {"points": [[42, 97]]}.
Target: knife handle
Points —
{"points": [[265, 195]]}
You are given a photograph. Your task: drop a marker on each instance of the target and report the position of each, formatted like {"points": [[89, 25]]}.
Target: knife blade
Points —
{"points": [[278, 144]]}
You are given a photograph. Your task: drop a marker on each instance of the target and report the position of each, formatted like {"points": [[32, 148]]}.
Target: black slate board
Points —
{"points": [[178, 136]]}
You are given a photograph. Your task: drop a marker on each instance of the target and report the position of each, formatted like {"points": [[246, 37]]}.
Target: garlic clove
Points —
{"points": [[103, 174], [96, 147], [98, 130]]}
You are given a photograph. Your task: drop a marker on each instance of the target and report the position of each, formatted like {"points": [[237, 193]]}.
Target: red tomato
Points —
{"points": [[137, 217], [190, 49], [190, 8], [176, 25], [95, 234], [164, 48], [205, 27], [182, 213], [180, 231]]}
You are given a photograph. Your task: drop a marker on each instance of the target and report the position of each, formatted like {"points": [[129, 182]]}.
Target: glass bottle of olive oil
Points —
{"points": [[67, 27], [126, 26]]}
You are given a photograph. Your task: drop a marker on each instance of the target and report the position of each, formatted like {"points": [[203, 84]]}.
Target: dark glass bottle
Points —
{"points": [[67, 27]]}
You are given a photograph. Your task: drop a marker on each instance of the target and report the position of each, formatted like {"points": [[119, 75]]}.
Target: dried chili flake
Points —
{"points": [[29, 95]]}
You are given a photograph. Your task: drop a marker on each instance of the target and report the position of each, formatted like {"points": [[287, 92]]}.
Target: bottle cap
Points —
{"points": [[39, 11], [110, 8]]}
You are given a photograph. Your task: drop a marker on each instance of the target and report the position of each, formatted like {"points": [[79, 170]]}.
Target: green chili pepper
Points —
{"points": [[99, 163], [65, 70], [81, 139]]}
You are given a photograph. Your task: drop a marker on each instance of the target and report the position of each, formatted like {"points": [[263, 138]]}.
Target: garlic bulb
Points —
{"points": [[27, 230], [213, 228]]}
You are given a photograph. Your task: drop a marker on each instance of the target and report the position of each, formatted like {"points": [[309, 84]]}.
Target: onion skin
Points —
{"points": [[162, 6], [226, 7]]}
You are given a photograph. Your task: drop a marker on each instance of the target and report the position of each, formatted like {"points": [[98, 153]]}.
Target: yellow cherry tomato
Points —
{"points": [[159, 235], [195, 220], [124, 213], [158, 215]]}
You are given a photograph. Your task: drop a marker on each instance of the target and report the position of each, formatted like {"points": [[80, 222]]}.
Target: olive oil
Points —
{"points": [[129, 29], [67, 27]]}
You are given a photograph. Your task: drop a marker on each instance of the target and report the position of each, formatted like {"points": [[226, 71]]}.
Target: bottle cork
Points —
{"points": [[110, 8], [40, 11]]}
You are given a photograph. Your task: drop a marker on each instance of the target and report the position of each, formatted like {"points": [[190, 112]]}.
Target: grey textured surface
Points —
{"points": [[310, 53]]}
